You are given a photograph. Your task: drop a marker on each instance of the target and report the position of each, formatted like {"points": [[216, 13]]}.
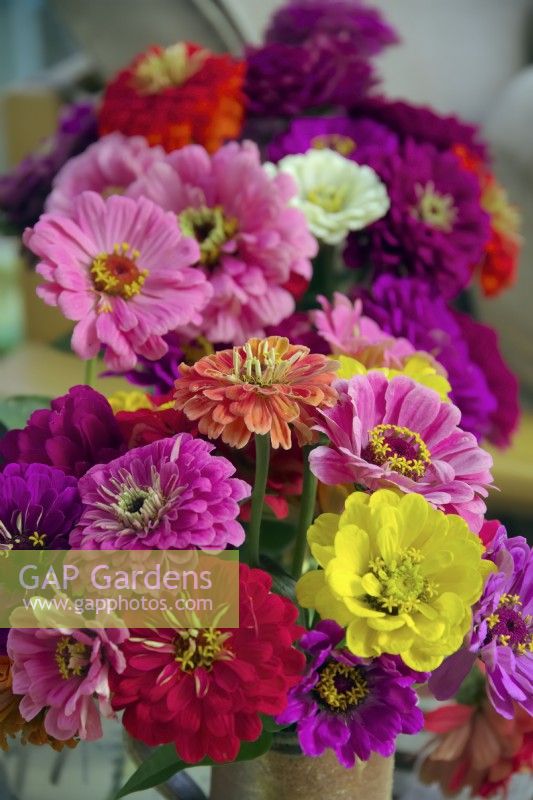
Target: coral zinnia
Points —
{"points": [[252, 244], [204, 689], [386, 433], [399, 574], [122, 270], [353, 705], [258, 388], [177, 95], [171, 494]]}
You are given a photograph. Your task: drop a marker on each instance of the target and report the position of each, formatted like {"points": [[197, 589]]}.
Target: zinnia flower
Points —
{"points": [[251, 242], [77, 432], [353, 705], [169, 495], [258, 388], [399, 574], [160, 421], [176, 95], [336, 195], [39, 506], [436, 227], [204, 689], [122, 270], [107, 167], [66, 671], [396, 433], [419, 367], [24, 190], [501, 635]]}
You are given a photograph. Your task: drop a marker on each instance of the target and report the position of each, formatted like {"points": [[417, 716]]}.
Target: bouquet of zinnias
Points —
{"points": [[272, 253]]}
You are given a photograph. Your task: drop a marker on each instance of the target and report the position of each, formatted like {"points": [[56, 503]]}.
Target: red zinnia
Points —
{"points": [[176, 96], [204, 689]]}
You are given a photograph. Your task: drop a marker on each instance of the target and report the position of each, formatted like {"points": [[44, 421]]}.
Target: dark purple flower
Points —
{"points": [[501, 635], [361, 140], [77, 432], [39, 507], [435, 228], [169, 495], [158, 375], [421, 123], [410, 308], [354, 706], [484, 350], [24, 190]]}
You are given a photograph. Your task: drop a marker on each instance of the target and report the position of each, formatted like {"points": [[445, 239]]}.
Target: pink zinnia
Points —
{"points": [[254, 248], [66, 672], [348, 332], [108, 167], [122, 270], [398, 433]]}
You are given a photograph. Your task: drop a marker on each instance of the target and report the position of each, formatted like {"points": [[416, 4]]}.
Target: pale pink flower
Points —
{"points": [[122, 270], [397, 433]]}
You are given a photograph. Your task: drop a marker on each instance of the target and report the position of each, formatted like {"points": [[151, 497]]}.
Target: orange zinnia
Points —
{"points": [[260, 387]]}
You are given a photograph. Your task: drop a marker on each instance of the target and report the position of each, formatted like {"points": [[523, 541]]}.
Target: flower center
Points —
{"points": [[173, 66], [399, 586], [509, 627], [341, 687], [20, 540], [117, 273], [329, 198], [201, 648], [435, 209], [263, 367], [72, 658], [137, 508], [334, 141], [211, 229], [400, 449]]}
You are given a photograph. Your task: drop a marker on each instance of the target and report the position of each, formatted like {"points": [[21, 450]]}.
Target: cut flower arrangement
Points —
{"points": [[275, 256]]}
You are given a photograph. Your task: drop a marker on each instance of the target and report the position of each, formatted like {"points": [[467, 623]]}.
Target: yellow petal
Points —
{"points": [[361, 640], [308, 587], [371, 585], [341, 580], [352, 547]]}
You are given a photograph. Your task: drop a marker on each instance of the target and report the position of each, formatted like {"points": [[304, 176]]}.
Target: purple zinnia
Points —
{"points": [[355, 706], [361, 140], [24, 190], [501, 635], [39, 507], [160, 375], [436, 227], [77, 432], [169, 495], [410, 308]]}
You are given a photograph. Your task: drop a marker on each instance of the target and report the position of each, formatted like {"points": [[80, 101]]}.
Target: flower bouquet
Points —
{"points": [[276, 256]]}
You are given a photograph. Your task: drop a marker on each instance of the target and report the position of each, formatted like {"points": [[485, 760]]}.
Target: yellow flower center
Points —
{"points": [[341, 686], [402, 585], [435, 209], [330, 198], [172, 67], [201, 648], [72, 658], [400, 449], [334, 141], [117, 273], [510, 627], [211, 229], [263, 367]]}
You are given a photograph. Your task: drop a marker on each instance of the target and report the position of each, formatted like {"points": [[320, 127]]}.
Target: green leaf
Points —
{"points": [[14, 411], [271, 726], [163, 763], [276, 535]]}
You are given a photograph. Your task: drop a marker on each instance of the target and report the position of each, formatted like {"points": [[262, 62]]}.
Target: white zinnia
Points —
{"points": [[336, 195]]}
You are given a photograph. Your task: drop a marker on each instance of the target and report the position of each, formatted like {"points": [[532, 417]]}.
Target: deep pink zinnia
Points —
{"points": [[204, 689], [66, 672], [252, 243], [398, 433], [122, 270]]}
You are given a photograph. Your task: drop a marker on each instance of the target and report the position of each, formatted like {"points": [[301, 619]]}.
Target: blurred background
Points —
{"points": [[471, 57]]}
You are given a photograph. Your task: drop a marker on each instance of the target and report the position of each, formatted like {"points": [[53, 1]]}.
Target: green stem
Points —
{"points": [[250, 550], [307, 511], [90, 371]]}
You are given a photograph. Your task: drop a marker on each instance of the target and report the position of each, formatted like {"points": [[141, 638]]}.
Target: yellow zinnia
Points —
{"points": [[419, 367], [129, 401], [401, 576]]}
